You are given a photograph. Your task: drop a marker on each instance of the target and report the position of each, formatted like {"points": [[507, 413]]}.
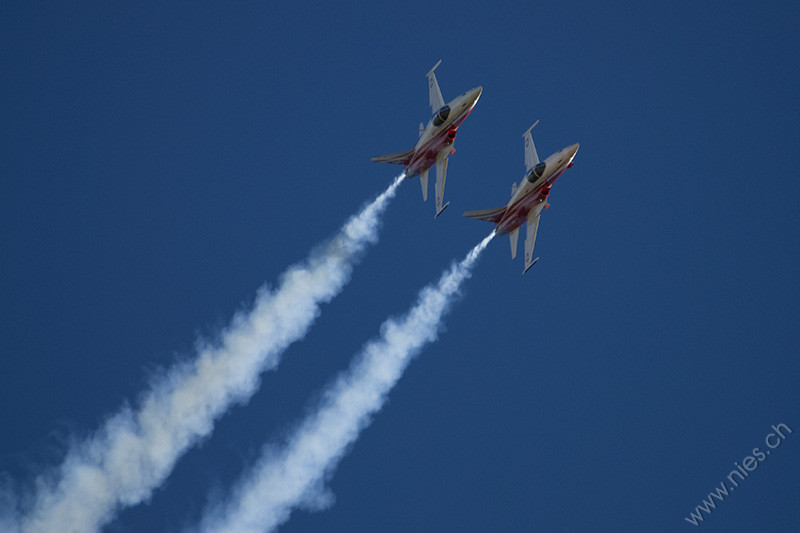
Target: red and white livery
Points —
{"points": [[529, 198], [435, 142]]}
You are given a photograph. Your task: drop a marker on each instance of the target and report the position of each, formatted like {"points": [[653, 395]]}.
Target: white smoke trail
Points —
{"points": [[135, 450], [294, 475]]}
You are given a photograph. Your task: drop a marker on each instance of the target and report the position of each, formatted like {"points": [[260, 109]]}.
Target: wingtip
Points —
{"points": [[529, 266], [529, 129], [434, 67], [441, 210]]}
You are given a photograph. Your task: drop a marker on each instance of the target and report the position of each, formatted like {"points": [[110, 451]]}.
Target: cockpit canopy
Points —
{"points": [[537, 172], [441, 116]]}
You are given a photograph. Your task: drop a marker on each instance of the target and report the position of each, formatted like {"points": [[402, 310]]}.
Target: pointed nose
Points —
{"points": [[475, 93], [573, 149]]}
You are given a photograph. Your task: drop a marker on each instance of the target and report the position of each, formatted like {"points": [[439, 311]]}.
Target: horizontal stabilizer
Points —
{"points": [[489, 215], [400, 158]]}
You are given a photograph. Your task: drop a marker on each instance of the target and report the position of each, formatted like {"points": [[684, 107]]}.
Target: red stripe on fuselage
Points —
{"points": [[425, 156], [517, 213]]}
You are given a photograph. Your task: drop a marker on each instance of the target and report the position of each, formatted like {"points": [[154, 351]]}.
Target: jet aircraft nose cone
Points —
{"points": [[574, 149], [476, 93]]}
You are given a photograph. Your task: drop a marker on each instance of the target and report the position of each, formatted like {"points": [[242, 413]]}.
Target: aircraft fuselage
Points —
{"points": [[441, 131], [534, 190]]}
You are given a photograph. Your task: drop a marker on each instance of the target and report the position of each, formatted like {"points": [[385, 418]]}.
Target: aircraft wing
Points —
{"points": [[514, 235], [530, 237], [441, 174], [423, 179], [531, 157], [435, 95]]}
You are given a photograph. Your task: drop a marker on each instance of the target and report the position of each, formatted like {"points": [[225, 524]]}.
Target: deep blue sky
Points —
{"points": [[159, 163]]}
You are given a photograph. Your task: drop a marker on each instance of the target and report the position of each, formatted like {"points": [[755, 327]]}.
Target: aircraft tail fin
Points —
{"points": [[489, 215], [399, 158]]}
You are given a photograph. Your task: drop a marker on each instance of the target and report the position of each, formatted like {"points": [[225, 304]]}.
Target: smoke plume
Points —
{"points": [[294, 474], [135, 450]]}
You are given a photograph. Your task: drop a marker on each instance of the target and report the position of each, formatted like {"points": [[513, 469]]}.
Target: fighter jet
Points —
{"points": [[529, 198], [435, 142]]}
